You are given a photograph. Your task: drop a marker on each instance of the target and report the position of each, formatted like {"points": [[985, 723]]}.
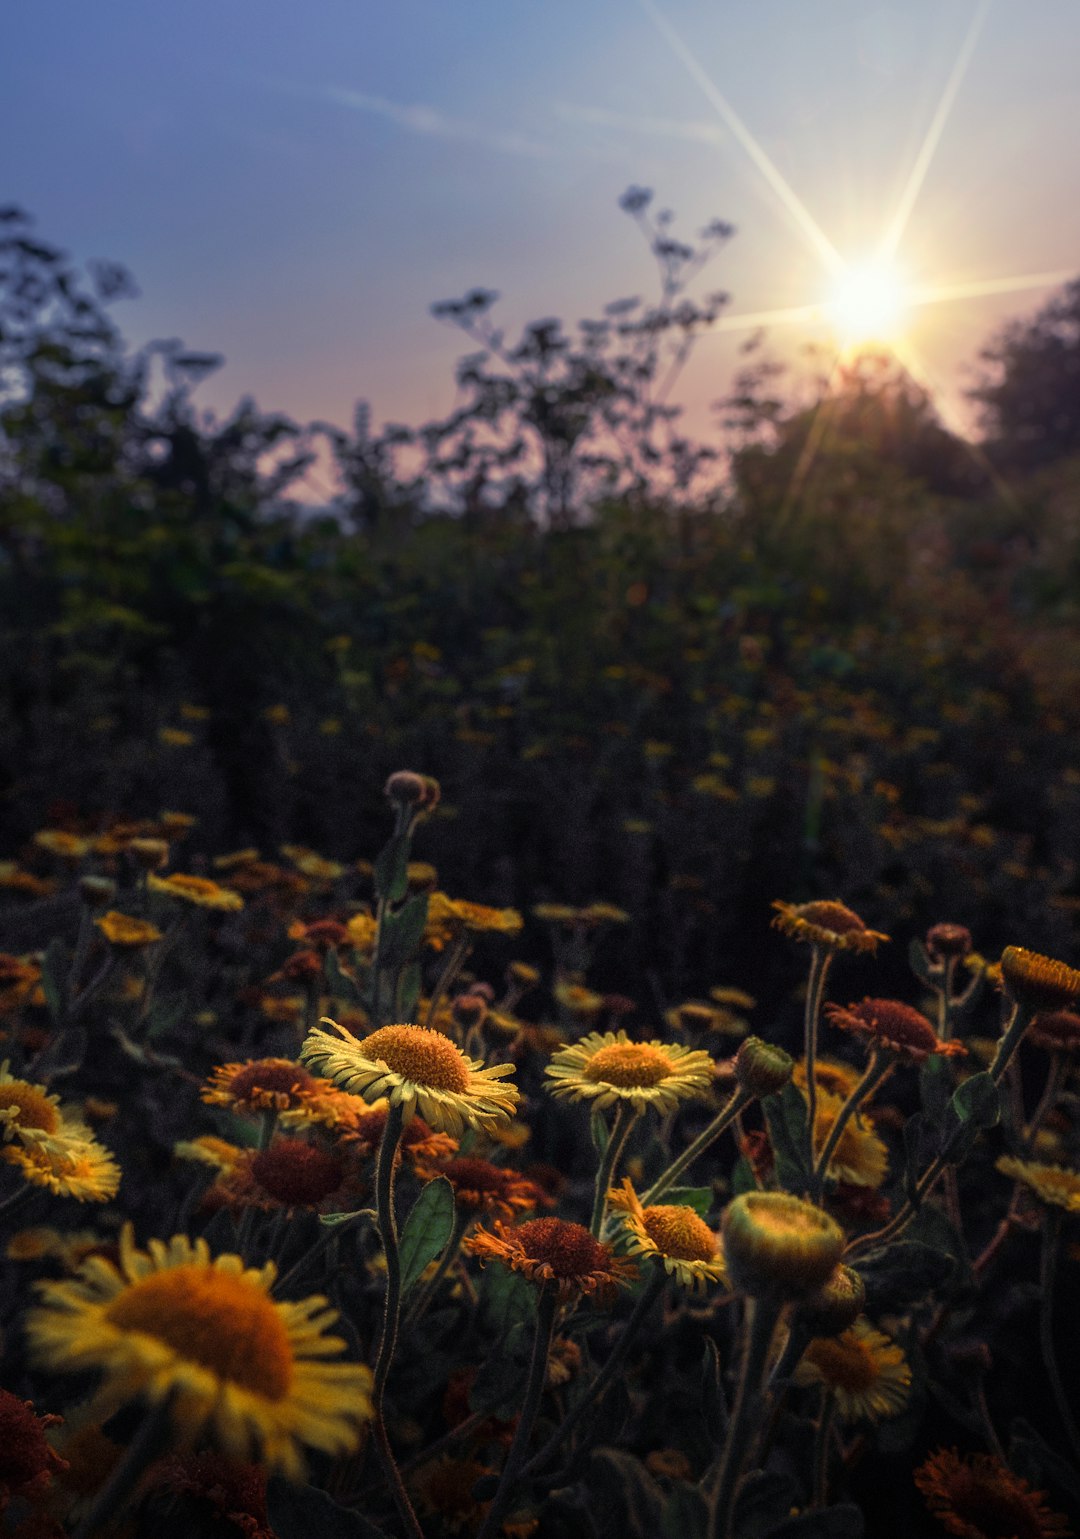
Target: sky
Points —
{"points": [[293, 185]]}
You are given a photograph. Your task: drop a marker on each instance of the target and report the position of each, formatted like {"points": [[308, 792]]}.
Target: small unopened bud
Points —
{"points": [[836, 1306], [150, 854], [432, 793], [97, 891], [762, 1069], [947, 940], [778, 1247], [406, 787], [469, 1010], [523, 974]]}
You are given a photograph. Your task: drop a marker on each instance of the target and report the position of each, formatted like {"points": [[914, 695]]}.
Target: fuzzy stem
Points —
{"points": [[149, 1442], [822, 1443], [1047, 1268], [625, 1118], [723, 1119], [388, 1334], [1046, 1102], [534, 1389], [764, 1314], [642, 1309], [1018, 1023], [446, 978], [820, 960], [876, 1070], [331, 1232]]}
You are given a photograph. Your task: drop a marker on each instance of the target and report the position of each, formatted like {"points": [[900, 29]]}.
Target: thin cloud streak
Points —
{"points": [[671, 128], [421, 118]]}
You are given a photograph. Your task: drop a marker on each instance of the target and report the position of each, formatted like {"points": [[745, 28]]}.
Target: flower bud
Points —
{"points": [[1037, 981], [761, 1069], [150, 854], [947, 940], [836, 1306], [406, 787], [97, 891], [779, 1247]]}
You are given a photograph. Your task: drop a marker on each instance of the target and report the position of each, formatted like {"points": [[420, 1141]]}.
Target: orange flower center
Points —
{"points": [[844, 1363], [679, 1232], [420, 1054], [33, 1106], [221, 1322], [568, 1249], [628, 1065]]}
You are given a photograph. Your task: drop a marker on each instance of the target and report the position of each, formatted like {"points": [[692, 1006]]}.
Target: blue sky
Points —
{"points": [[293, 185]]}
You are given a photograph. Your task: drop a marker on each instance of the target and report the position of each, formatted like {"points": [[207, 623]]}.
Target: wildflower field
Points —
{"points": [[521, 1028]]}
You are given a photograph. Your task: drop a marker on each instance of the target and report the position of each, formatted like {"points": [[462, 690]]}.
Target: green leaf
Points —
{"points": [[742, 1177], [499, 1383], [785, 1118], [427, 1230], [505, 1299], [403, 930], [338, 982], [903, 1273], [332, 1220], [301, 1512], [54, 970], [409, 990], [700, 1198], [392, 869], [765, 1499], [713, 1404], [977, 1101], [625, 1492], [166, 1014], [686, 1514]]}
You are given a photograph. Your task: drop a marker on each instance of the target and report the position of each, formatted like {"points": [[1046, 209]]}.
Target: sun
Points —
{"points": [[869, 303]]}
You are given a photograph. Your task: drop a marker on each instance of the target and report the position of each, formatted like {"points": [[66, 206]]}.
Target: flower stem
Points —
{"points": [[1047, 1268], [722, 1120], [388, 1334], [642, 1309], [820, 960], [625, 1118], [149, 1442], [763, 1317], [822, 1444], [1019, 1022], [331, 1232], [1046, 1101], [876, 1070], [534, 1389]]}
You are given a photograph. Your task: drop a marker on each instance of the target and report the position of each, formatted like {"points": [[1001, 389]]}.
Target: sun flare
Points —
{"points": [[869, 303]]}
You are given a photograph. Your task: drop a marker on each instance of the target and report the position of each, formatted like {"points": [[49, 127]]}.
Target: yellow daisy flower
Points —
{"points": [[865, 1369], [826, 923], [832, 1076], [675, 1234], [1051, 1184], [606, 1067], [173, 1324], [27, 1111], [121, 930], [476, 917], [67, 1166], [419, 1069], [861, 1157], [199, 890]]}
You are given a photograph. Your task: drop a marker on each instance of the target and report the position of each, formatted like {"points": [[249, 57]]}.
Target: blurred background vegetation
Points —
{"points": [[834, 652]]}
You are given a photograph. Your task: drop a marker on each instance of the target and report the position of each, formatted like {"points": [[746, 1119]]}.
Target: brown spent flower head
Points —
{"points": [[482, 1187], [1056, 1031], [555, 1251], [127, 933], [199, 890], [263, 1084], [418, 1069], [779, 1247], [1039, 982], [893, 1027], [295, 1174], [27, 1463], [444, 1489], [979, 1497], [233, 1489], [944, 941], [762, 1069], [827, 923]]}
